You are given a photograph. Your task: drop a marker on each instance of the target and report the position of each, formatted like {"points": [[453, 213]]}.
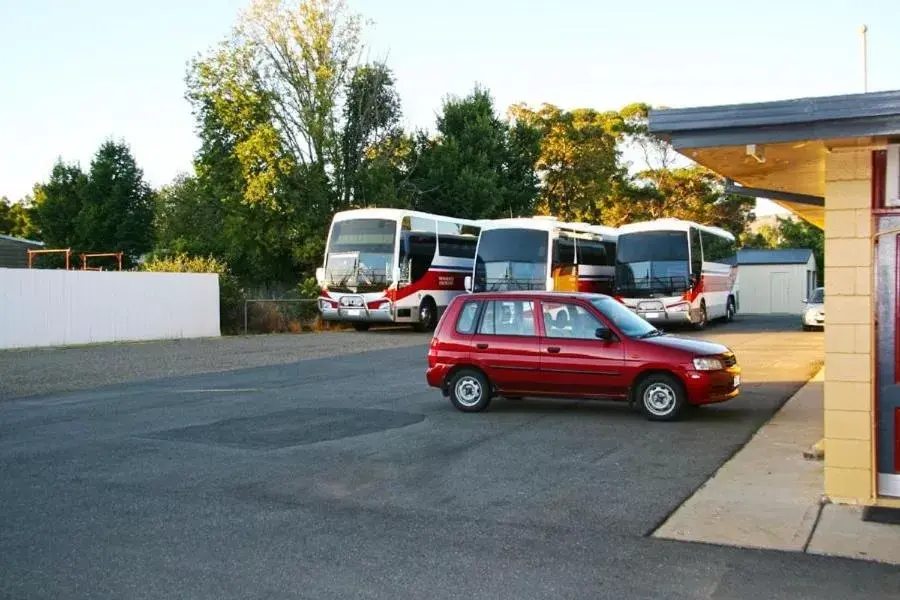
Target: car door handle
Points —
{"points": [[553, 349], [481, 346]]}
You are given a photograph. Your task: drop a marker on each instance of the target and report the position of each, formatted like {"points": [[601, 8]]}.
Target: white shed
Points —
{"points": [[775, 281]]}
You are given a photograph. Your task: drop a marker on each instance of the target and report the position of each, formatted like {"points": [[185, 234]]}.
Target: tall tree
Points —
{"points": [[474, 168], [578, 164], [371, 139], [117, 206], [58, 204], [280, 108]]}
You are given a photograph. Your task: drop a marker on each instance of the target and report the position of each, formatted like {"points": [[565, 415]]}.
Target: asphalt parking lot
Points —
{"points": [[346, 477]]}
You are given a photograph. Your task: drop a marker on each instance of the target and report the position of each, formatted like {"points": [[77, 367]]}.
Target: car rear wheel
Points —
{"points": [[661, 397], [361, 326], [730, 311], [470, 391]]}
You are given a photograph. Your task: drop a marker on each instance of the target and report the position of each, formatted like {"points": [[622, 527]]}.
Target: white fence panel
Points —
{"points": [[57, 307]]}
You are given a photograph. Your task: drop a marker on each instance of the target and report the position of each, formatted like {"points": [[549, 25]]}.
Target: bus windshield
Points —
{"points": [[360, 255], [652, 263], [511, 259]]}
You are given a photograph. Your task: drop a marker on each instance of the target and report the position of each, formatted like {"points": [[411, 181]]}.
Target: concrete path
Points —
{"points": [[769, 496]]}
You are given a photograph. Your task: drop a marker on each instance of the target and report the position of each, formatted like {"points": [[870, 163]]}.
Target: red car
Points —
{"points": [[572, 345]]}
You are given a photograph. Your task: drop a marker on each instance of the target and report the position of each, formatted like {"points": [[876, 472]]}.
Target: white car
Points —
{"points": [[813, 316]]}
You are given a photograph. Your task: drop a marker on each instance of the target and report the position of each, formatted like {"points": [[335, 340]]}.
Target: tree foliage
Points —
{"points": [[579, 162], [16, 218], [477, 166]]}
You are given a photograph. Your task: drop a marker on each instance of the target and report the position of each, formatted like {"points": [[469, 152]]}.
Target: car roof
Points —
{"points": [[537, 295]]}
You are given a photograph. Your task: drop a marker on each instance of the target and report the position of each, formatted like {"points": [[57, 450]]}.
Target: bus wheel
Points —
{"points": [[730, 311], [361, 326], [704, 318], [427, 316]]}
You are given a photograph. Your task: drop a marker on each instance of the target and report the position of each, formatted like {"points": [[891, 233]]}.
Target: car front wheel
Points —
{"points": [[470, 391], [661, 397]]}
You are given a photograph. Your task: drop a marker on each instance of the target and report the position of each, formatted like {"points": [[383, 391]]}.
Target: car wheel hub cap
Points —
{"points": [[659, 399], [468, 391]]}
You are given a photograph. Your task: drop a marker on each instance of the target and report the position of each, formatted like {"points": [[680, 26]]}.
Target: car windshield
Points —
{"points": [[511, 259], [652, 263], [629, 323], [818, 296]]}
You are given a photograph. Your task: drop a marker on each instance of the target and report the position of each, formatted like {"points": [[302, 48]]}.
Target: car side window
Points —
{"points": [[565, 320], [466, 321], [507, 317]]}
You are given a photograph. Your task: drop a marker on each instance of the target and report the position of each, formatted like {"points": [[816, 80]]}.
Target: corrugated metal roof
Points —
{"points": [[851, 115], [779, 112], [777, 256]]}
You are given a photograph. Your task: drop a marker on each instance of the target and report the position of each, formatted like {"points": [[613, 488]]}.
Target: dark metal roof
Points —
{"points": [[776, 256], [784, 120]]}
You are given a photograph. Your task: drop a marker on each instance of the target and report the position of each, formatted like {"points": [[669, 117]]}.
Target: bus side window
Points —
{"points": [[417, 248], [696, 252], [458, 241], [563, 252]]}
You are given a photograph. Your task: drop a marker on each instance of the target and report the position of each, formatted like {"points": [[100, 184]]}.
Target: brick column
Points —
{"points": [[849, 369]]}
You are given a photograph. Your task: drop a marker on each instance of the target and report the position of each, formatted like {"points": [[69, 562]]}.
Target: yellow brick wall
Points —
{"points": [[848, 333]]}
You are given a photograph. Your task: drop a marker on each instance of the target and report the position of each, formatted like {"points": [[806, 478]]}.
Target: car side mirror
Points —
{"points": [[320, 275], [603, 333], [467, 283]]}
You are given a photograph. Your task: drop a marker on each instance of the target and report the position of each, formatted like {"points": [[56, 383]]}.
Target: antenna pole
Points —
{"points": [[863, 31]]}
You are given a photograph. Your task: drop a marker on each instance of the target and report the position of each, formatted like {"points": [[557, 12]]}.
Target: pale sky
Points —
{"points": [[76, 73]]}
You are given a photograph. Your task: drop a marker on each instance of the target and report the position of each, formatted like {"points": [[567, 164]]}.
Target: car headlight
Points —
{"points": [[707, 364]]}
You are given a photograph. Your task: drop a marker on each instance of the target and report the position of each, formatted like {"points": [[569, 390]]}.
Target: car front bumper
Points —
{"points": [[813, 318], [709, 387]]}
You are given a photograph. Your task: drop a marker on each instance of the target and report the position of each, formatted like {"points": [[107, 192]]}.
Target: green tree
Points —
{"points": [[16, 218], [371, 138], [476, 167], [579, 161], [58, 204], [117, 205]]}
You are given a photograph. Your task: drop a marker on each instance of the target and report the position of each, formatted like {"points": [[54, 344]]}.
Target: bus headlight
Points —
{"points": [[681, 307]]}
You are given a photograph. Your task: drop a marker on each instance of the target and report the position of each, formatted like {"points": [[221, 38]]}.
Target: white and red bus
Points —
{"points": [[543, 253], [675, 271], [385, 265]]}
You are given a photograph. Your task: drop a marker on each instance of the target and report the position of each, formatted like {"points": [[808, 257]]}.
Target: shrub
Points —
{"points": [[231, 298]]}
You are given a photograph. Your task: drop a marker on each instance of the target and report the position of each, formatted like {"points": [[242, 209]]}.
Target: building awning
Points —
{"points": [[777, 150]]}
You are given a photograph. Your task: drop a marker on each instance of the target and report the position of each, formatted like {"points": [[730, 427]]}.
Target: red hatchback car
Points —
{"points": [[516, 344]]}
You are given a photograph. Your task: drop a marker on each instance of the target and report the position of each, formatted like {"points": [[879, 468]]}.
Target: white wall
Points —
{"points": [[56, 307], [767, 289]]}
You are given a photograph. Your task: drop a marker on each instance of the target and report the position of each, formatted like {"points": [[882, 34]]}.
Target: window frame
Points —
{"points": [[483, 310], [590, 310], [473, 327]]}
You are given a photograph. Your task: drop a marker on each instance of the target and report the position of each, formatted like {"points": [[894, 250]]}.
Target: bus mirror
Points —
{"points": [[320, 275], [468, 283]]}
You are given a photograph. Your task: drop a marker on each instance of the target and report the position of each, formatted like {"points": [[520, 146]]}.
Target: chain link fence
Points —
{"points": [[295, 315]]}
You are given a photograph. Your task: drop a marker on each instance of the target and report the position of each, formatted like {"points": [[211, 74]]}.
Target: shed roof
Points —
{"points": [[775, 256], [20, 240]]}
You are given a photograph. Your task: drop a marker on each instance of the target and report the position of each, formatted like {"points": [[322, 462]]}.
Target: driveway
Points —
{"points": [[347, 477]]}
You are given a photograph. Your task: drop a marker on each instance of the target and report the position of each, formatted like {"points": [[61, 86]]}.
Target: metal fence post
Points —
{"points": [[245, 317]]}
